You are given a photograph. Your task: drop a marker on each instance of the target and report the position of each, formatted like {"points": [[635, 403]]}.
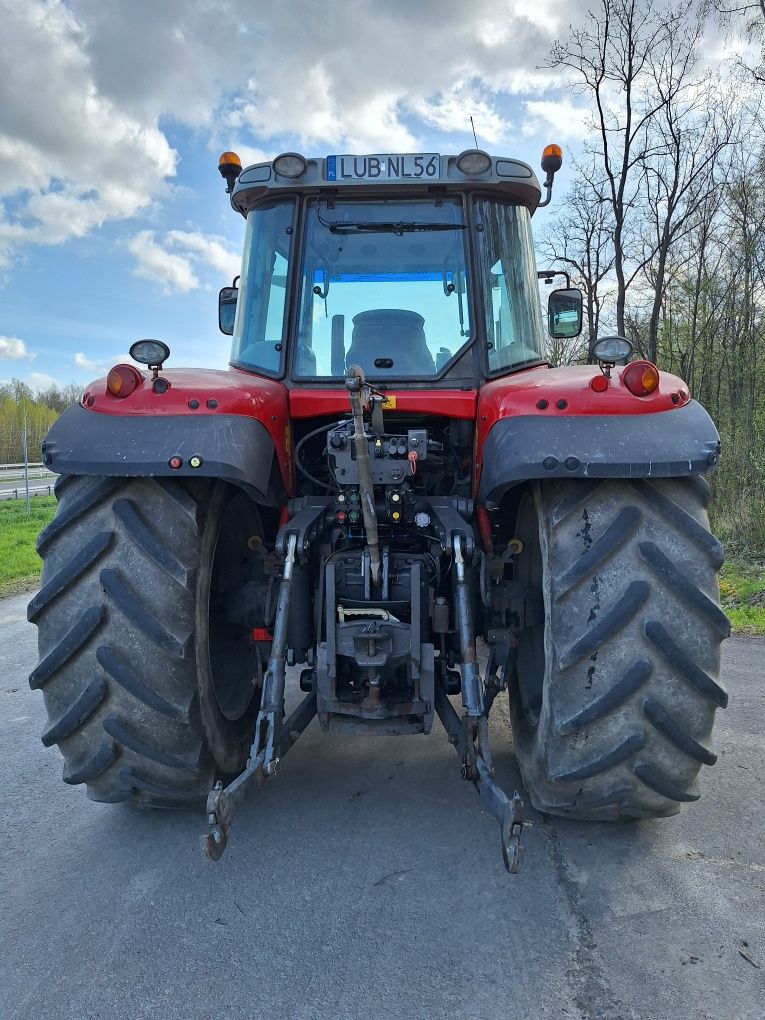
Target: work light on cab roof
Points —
{"points": [[291, 165], [473, 162]]}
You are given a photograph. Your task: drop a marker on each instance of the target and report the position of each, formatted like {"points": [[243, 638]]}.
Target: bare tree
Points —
{"points": [[657, 142], [687, 139], [748, 17], [608, 60]]}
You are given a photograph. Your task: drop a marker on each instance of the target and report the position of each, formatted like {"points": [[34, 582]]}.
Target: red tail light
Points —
{"points": [[122, 380], [641, 378]]}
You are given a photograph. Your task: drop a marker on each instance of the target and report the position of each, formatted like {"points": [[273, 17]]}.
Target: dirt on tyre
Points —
{"points": [[615, 691], [150, 688]]}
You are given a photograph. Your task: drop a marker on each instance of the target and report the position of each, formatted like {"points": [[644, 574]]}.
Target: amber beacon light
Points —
{"points": [[552, 161], [230, 166], [552, 158]]}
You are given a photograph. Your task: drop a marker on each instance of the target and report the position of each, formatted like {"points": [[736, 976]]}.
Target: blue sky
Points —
{"points": [[114, 223]]}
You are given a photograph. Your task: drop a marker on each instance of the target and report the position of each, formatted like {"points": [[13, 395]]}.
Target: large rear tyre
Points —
{"points": [[149, 687], [614, 694]]}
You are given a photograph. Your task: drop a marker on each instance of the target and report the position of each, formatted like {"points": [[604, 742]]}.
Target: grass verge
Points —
{"points": [[19, 563], [742, 584], [742, 590]]}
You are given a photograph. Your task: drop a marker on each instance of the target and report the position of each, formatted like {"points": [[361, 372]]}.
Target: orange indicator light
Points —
{"points": [[641, 378]]}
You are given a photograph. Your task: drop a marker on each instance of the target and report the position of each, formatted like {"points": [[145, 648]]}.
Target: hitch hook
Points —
{"points": [[513, 851]]}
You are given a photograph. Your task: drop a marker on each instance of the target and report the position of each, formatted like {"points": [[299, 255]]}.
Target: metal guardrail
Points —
{"points": [[10, 471], [13, 484], [21, 493]]}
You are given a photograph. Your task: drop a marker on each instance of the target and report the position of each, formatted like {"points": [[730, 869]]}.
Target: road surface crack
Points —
{"points": [[590, 991]]}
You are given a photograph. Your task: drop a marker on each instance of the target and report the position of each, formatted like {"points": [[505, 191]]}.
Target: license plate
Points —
{"points": [[408, 167]]}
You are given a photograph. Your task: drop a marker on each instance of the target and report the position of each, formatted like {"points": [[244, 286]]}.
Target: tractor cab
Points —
{"points": [[417, 268]]}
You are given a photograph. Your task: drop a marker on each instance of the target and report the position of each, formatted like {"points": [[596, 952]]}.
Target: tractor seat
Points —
{"points": [[392, 333]]}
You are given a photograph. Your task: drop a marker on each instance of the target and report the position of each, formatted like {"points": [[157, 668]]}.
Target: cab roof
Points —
{"points": [[386, 174]]}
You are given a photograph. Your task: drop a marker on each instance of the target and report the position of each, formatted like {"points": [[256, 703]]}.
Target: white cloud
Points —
{"points": [[451, 111], [208, 249], [70, 157], [41, 381], [175, 260], [560, 117], [80, 136], [358, 80], [13, 348], [100, 367], [83, 361], [155, 263]]}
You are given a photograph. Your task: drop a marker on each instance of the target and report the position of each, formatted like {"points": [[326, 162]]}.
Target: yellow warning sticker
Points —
{"points": [[389, 404]]}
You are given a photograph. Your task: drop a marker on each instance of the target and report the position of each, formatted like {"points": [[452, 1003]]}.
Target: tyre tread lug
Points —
{"points": [[74, 716], [631, 745], [684, 665], [665, 570], [138, 745], [681, 519], [69, 573], [667, 725], [631, 681], [67, 647], [105, 755], [138, 532], [616, 534], [610, 623], [130, 606], [663, 784], [123, 675]]}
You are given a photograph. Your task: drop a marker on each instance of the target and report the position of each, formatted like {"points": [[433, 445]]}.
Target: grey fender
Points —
{"points": [[230, 447], [662, 444]]}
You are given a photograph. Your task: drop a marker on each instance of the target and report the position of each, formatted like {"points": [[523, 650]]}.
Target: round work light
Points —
{"points": [[472, 162], [150, 352], [612, 349], [290, 164]]}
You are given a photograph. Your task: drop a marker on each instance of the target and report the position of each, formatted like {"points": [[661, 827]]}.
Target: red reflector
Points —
{"points": [[641, 378], [122, 380], [260, 634], [599, 383], [340, 516], [175, 462]]}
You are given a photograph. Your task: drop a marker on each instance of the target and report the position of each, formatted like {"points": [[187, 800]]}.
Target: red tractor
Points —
{"points": [[389, 471]]}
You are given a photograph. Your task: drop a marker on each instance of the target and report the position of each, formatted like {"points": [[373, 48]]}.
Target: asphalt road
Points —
{"points": [[366, 882]]}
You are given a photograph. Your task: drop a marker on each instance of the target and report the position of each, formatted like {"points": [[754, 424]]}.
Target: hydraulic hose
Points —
{"points": [[354, 382]]}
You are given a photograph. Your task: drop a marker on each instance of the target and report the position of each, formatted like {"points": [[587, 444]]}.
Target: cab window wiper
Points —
{"points": [[399, 227]]}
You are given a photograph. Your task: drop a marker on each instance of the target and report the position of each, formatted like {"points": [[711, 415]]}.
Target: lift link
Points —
{"points": [[273, 738], [470, 734], [507, 810]]}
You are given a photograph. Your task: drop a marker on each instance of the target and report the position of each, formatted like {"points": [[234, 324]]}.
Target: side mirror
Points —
{"points": [[227, 299], [564, 313]]}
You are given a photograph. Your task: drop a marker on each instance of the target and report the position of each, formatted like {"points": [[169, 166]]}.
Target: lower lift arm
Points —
{"points": [[273, 736], [470, 734]]}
